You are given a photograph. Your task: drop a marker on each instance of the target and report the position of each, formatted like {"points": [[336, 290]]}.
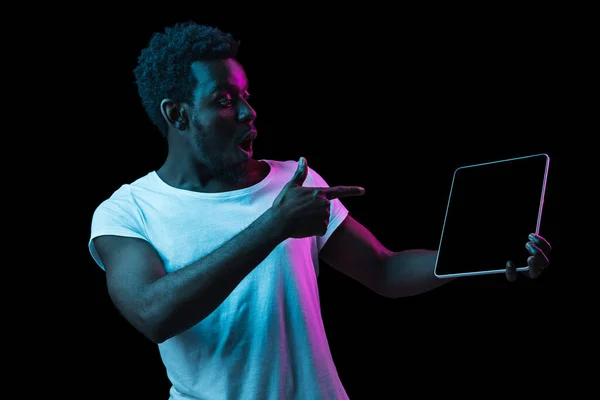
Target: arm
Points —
{"points": [[353, 250], [410, 272], [162, 305]]}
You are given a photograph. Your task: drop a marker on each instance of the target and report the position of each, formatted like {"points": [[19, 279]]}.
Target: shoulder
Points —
{"points": [[286, 170], [122, 201], [119, 199], [124, 195]]}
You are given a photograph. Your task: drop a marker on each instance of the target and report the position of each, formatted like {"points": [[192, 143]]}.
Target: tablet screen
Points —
{"points": [[491, 210]]}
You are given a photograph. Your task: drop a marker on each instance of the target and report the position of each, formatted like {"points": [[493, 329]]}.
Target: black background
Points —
{"points": [[391, 100]]}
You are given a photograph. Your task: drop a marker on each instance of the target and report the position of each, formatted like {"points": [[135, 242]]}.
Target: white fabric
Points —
{"points": [[267, 339]]}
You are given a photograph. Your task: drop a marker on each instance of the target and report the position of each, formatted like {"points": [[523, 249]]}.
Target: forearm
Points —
{"points": [[179, 300], [410, 272]]}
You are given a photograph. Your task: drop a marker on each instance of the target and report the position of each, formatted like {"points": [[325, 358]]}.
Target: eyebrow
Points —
{"points": [[226, 86]]}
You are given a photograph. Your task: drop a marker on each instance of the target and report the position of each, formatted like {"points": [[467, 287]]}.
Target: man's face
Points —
{"points": [[221, 117]]}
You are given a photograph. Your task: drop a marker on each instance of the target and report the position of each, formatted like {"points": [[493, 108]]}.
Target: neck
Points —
{"points": [[182, 173]]}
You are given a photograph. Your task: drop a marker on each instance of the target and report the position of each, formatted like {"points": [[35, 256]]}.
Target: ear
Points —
{"points": [[175, 114]]}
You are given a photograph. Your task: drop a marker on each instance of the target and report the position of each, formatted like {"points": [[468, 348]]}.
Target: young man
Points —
{"points": [[215, 255]]}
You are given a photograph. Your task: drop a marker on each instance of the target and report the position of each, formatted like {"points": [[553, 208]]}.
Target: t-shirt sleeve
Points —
{"points": [[338, 211], [118, 215]]}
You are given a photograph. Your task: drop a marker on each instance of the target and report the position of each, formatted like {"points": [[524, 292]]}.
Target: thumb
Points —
{"points": [[301, 173], [511, 271]]}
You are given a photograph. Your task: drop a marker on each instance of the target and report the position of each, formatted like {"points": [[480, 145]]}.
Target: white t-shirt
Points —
{"points": [[267, 339]]}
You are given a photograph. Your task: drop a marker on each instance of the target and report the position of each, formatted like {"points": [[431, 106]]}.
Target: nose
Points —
{"points": [[246, 112]]}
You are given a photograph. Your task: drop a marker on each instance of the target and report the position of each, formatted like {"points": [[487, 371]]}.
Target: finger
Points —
{"points": [[540, 242], [335, 192], [540, 259], [301, 172], [511, 271]]}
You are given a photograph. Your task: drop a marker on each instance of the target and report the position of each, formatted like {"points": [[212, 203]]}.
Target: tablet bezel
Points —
{"points": [[539, 217]]}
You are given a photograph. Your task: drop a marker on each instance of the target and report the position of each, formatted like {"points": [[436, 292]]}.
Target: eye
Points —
{"points": [[225, 100]]}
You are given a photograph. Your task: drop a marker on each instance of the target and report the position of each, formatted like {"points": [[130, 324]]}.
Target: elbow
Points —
{"points": [[378, 286], [144, 314], [155, 334], [380, 283], [159, 321], [397, 290], [150, 322], [154, 326], [389, 283]]}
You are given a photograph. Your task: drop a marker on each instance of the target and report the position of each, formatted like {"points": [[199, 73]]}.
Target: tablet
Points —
{"points": [[492, 208]]}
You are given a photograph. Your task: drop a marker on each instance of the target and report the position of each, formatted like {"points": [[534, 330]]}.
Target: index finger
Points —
{"points": [[541, 243], [335, 192]]}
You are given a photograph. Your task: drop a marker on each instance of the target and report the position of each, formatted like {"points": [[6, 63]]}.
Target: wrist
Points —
{"points": [[272, 225]]}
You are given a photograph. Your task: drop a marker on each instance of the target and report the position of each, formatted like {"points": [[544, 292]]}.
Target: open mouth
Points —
{"points": [[246, 145]]}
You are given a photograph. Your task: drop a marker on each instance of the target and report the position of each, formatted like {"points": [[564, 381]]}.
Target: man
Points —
{"points": [[215, 255]]}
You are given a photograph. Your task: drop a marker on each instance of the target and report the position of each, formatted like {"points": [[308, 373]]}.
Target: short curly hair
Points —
{"points": [[163, 68]]}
